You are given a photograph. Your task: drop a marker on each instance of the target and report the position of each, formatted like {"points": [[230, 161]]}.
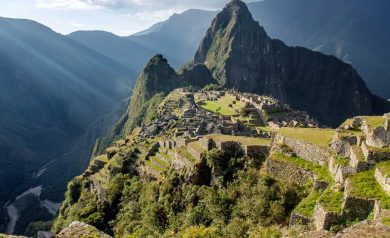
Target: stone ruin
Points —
{"points": [[275, 113]]}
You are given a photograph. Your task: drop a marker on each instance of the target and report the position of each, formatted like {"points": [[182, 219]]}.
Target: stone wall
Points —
{"points": [[383, 180], [256, 151], [297, 219], [286, 172], [323, 220], [152, 150], [357, 161], [227, 145], [378, 137], [206, 143], [305, 150], [194, 152], [180, 142], [355, 207], [339, 172], [374, 155]]}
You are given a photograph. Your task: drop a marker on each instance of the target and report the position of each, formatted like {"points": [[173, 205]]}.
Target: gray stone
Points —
{"points": [[357, 122], [45, 234]]}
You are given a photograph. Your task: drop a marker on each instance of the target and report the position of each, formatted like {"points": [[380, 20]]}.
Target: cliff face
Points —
{"points": [[241, 55]]}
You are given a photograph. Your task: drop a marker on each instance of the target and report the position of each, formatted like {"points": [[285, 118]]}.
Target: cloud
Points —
{"points": [[133, 5], [65, 4]]}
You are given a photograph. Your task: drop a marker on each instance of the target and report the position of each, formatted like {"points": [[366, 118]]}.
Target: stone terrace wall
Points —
{"points": [[195, 153], [286, 172], [305, 150], [256, 151], [355, 207], [323, 219], [378, 137], [383, 181], [227, 145], [374, 155]]}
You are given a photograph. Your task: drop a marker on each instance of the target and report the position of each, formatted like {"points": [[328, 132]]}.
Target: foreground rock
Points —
{"points": [[81, 229]]}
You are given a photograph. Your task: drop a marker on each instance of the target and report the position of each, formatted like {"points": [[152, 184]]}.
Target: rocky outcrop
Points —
{"points": [[81, 229], [241, 55]]}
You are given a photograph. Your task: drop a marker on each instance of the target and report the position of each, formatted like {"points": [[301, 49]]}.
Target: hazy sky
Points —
{"points": [[122, 17]]}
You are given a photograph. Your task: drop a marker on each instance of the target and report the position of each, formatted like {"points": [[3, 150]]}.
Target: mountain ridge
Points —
{"points": [[241, 55]]}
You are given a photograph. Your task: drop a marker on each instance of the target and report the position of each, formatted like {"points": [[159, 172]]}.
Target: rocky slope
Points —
{"points": [[241, 55], [355, 32]]}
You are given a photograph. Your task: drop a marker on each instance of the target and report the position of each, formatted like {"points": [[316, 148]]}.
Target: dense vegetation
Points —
{"points": [[240, 202]]}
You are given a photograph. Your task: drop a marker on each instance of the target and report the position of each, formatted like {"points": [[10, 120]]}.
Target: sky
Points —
{"points": [[121, 17]]}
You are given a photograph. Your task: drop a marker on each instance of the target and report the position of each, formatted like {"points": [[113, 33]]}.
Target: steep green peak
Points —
{"points": [[157, 59], [158, 62], [157, 76], [231, 33]]}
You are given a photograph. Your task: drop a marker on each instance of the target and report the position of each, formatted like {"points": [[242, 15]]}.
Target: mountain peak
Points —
{"points": [[157, 60], [241, 55]]}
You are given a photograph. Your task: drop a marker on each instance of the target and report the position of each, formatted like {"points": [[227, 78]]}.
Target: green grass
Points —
{"points": [[306, 207], [221, 106], [358, 152], [341, 160], [153, 166], [159, 161], [384, 167], [332, 200], [364, 185], [320, 137], [264, 128], [374, 121], [183, 152], [242, 139], [167, 157], [375, 149], [102, 158], [218, 108], [197, 146], [386, 221], [321, 171]]}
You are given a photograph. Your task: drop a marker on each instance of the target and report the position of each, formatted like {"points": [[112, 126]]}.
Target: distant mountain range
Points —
{"points": [[242, 56], [355, 31], [59, 93], [51, 89]]}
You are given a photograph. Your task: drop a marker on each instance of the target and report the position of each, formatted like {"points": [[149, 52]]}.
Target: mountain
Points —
{"points": [[156, 80], [241, 55], [119, 49], [177, 37], [51, 90], [355, 31]]}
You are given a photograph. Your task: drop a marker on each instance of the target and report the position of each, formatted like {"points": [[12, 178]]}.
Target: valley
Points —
{"points": [[227, 132]]}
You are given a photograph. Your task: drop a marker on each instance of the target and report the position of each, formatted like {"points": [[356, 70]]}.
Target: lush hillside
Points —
{"points": [[156, 80], [241, 55], [289, 181], [51, 90]]}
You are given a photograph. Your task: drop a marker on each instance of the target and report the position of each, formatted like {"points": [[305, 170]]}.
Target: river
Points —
{"points": [[12, 210]]}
